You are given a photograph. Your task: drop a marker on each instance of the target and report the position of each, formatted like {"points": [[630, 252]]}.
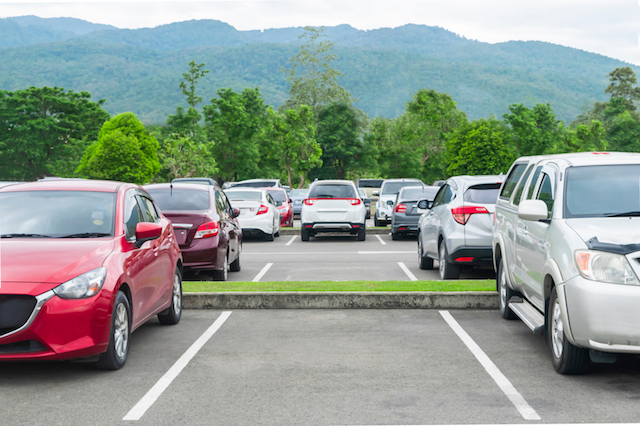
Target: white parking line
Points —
{"points": [[381, 240], [501, 380], [261, 273], [291, 240], [407, 271], [161, 385], [545, 424], [314, 253]]}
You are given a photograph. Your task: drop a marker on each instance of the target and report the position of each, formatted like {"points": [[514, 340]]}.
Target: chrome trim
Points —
{"points": [[40, 301], [605, 347], [183, 225]]}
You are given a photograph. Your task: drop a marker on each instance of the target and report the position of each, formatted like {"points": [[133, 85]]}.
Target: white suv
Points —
{"points": [[333, 206], [566, 248]]}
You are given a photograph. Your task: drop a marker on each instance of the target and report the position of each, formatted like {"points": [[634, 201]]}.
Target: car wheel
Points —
{"points": [[395, 236], [272, 235], [235, 265], [566, 358], [362, 234], [304, 235], [505, 292], [277, 234], [118, 349], [423, 261], [172, 315], [375, 221], [448, 271], [224, 273]]}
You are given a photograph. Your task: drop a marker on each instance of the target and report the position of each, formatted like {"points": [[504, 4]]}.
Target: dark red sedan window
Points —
{"points": [[181, 199]]}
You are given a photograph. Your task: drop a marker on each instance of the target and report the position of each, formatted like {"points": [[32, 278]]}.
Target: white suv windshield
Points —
{"points": [[332, 191], [600, 191]]}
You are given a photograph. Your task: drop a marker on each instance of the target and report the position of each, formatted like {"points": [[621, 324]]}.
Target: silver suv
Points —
{"points": [[566, 248], [456, 229], [387, 195]]}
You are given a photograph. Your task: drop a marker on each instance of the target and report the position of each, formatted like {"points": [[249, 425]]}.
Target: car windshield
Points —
{"points": [[415, 194], [57, 214], [244, 195], [180, 199], [256, 184], [278, 195], [370, 183], [483, 194], [395, 187], [332, 191], [598, 191], [298, 193]]}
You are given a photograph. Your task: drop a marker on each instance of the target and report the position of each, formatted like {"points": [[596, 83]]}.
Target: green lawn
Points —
{"points": [[459, 285]]}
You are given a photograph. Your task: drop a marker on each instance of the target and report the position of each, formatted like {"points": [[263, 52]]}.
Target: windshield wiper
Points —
{"points": [[631, 213], [25, 236], [87, 235]]}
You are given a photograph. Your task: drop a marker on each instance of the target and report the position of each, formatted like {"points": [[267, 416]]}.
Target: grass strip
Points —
{"points": [[458, 285]]}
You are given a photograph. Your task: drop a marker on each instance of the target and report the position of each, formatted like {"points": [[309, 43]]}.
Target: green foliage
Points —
{"points": [[622, 85], [125, 151], [184, 157], [479, 149], [44, 131], [189, 82], [534, 131]]}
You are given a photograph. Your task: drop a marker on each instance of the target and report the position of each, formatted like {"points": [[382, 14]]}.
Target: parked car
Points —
{"points": [[370, 185], [84, 264], [259, 214], [566, 252], [367, 202], [205, 225], [228, 185], [284, 204], [297, 197], [198, 181], [333, 206], [387, 195], [438, 183], [456, 229], [405, 216], [259, 183]]}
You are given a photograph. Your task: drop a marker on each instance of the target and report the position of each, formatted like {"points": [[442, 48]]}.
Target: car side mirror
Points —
{"points": [[376, 193], [534, 210], [390, 202], [146, 231], [423, 206], [236, 212]]}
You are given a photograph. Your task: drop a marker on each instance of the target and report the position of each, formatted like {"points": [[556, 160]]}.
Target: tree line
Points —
{"points": [[317, 133]]}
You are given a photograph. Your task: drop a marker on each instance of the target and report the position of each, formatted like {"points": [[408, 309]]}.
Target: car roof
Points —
{"points": [[259, 180], [332, 182], [402, 180], [245, 188], [68, 185], [587, 158], [179, 185]]}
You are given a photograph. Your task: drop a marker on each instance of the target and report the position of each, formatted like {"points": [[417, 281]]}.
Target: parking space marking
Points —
{"points": [[315, 253], [520, 424], [291, 240], [407, 271], [381, 240], [527, 412], [262, 272], [161, 385], [387, 252]]}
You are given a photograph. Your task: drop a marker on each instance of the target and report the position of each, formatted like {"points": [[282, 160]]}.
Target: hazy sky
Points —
{"points": [[608, 27]]}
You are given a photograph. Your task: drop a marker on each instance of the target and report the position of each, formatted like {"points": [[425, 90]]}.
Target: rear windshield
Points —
{"points": [[332, 191], [244, 195], [483, 194], [597, 191], [256, 184], [180, 199], [394, 187], [298, 193], [57, 214], [415, 194], [278, 195], [370, 183]]}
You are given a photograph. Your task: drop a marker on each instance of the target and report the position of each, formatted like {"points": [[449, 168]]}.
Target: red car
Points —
{"points": [[285, 206], [205, 224], [84, 263]]}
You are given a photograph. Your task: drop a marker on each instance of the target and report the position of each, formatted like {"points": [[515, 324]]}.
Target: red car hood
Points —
{"points": [[50, 261]]}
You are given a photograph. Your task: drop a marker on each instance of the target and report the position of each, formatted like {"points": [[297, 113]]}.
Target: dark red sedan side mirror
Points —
{"points": [[146, 231]]}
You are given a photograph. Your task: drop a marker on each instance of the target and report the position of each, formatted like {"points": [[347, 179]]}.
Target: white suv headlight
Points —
{"points": [[605, 267], [82, 286]]}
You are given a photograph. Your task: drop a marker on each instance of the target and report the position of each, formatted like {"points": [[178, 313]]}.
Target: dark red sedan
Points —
{"points": [[284, 204], [84, 263], [205, 225]]}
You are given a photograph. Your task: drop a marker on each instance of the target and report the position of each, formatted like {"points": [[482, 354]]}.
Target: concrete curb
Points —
{"points": [[342, 300], [370, 231]]}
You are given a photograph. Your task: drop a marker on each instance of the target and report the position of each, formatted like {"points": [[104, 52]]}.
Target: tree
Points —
{"points": [[534, 131], [313, 81], [183, 157], [189, 82], [479, 149], [622, 85], [44, 131], [394, 143], [125, 151]]}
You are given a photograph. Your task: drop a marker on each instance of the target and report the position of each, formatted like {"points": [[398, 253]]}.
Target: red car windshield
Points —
{"points": [[57, 214]]}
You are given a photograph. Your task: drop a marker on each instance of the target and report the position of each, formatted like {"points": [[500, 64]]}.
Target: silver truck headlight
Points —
{"points": [[605, 267]]}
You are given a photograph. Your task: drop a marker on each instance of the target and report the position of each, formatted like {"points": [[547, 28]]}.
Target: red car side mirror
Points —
{"points": [[146, 231], [236, 212]]}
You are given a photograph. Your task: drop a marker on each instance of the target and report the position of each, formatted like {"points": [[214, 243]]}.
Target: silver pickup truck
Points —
{"points": [[566, 250]]}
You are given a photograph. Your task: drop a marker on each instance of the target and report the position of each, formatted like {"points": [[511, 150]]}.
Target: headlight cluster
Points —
{"points": [[82, 286], [605, 267]]}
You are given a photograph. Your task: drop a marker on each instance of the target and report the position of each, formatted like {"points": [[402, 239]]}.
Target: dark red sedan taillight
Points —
{"points": [[206, 230], [401, 208], [462, 214]]}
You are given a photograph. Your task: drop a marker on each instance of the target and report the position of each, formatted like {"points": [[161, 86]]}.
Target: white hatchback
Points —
{"points": [[333, 206], [258, 212]]}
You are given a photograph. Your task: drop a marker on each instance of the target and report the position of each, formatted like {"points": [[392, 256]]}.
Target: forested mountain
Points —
{"points": [[139, 70]]}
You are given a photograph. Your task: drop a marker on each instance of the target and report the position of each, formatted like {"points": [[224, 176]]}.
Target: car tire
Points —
{"points": [[362, 234], [304, 235], [448, 271], [223, 274], [118, 350], [172, 315], [376, 222], [566, 358], [272, 235], [423, 261], [277, 234], [505, 292], [395, 236], [235, 265]]}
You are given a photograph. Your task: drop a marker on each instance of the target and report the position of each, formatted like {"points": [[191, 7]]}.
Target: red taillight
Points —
{"points": [[262, 210], [464, 259], [206, 230], [462, 214], [310, 201], [401, 208], [354, 201]]}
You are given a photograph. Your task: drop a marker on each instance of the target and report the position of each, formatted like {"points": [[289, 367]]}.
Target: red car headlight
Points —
{"points": [[82, 286]]}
